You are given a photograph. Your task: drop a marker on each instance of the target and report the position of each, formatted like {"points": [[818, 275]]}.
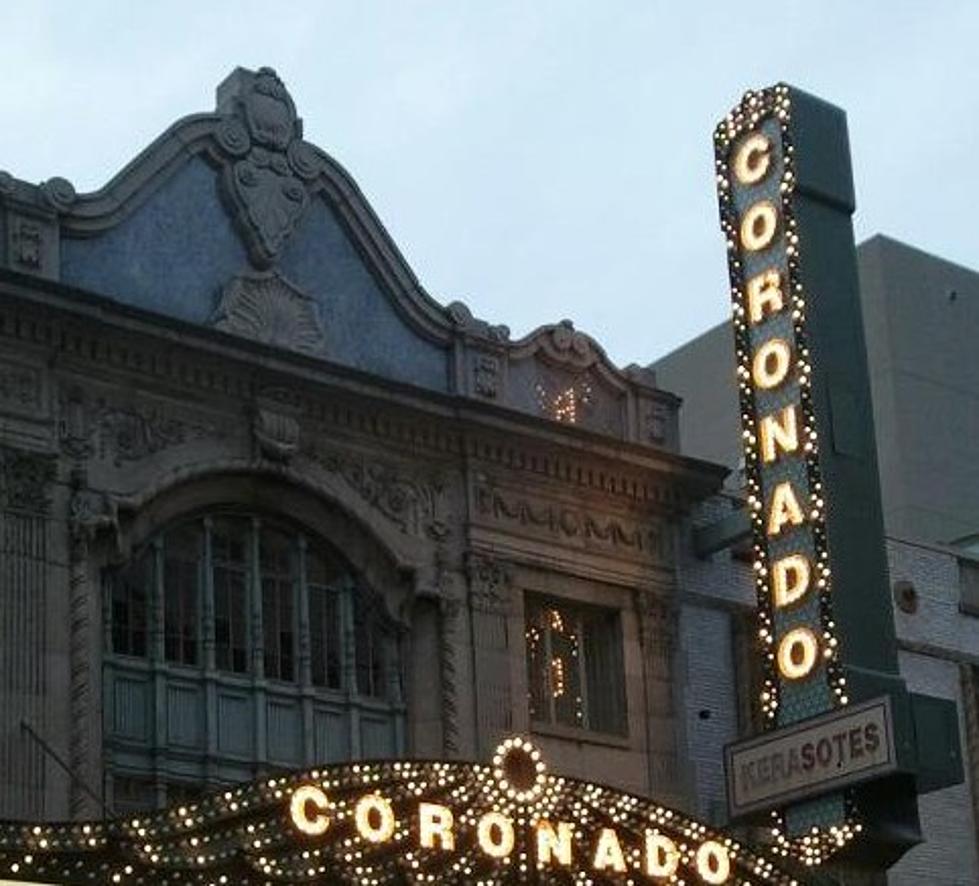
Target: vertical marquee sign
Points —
{"points": [[826, 629]]}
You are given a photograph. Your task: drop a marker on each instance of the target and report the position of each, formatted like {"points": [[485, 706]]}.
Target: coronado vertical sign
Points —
{"points": [[756, 184]]}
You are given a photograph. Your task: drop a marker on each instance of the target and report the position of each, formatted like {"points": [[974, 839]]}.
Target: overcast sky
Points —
{"points": [[537, 160]]}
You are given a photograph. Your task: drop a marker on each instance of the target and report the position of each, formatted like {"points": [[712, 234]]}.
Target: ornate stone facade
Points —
{"points": [[296, 369]]}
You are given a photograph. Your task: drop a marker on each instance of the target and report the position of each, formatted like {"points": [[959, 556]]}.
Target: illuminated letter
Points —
{"points": [[662, 857], [798, 651], [764, 295], [435, 824], [495, 835], [302, 798], [785, 509], [752, 159], [778, 431], [551, 845], [713, 862], [771, 363], [758, 226], [790, 579], [608, 852], [383, 829]]}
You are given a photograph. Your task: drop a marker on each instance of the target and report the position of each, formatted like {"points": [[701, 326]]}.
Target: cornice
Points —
{"points": [[104, 339]]}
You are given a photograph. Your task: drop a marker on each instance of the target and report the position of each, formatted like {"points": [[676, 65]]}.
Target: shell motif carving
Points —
{"points": [[269, 309]]}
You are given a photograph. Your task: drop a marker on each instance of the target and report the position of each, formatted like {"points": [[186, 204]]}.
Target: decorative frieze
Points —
{"points": [[415, 505], [572, 525], [132, 433]]}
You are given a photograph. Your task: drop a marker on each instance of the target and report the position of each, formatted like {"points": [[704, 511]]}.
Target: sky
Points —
{"points": [[536, 160]]}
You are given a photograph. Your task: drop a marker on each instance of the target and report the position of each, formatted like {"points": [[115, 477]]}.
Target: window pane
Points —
{"points": [[540, 708], [229, 540], [324, 636], [574, 665], [277, 562], [131, 795], [564, 667], [131, 592], [605, 678], [183, 548], [369, 640]]}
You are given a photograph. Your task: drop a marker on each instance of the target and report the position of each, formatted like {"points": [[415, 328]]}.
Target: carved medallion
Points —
{"points": [[269, 309], [267, 163]]}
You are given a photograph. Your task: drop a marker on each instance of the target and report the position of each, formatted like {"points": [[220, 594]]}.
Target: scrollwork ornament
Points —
{"points": [[232, 136], [59, 192], [304, 159]]}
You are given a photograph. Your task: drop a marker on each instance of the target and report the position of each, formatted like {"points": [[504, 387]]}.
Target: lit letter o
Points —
{"points": [[503, 845], [759, 225], [798, 652], [713, 862], [770, 365], [384, 830]]}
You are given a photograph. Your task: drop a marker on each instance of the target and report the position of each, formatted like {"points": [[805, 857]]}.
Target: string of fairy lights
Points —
{"points": [[744, 122], [396, 822]]}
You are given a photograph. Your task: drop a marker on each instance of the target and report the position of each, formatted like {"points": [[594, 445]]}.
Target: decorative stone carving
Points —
{"points": [[565, 345], [490, 583], [656, 420], [90, 513], [25, 481], [59, 192], [571, 525], [26, 239], [7, 183], [414, 505], [276, 434], [450, 610], [269, 309], [464, 320], [75, 429], [486, 369], [20, 390], [133, 433], [264, 180]]}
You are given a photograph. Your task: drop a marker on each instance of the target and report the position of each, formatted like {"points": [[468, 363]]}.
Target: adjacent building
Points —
{"points": [[921, 316]]}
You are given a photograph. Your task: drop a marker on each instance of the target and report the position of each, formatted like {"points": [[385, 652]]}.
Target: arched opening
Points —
{"points": [[239, 641]]}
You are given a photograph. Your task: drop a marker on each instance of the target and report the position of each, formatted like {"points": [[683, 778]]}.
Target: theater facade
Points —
{"points": [[294, 554]]}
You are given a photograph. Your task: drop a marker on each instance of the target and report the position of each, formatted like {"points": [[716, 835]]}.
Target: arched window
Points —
{"points": [[236, 643]]}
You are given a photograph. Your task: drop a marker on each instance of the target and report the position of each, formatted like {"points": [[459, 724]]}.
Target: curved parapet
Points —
{"points": [[231, 221], [396, 822]]}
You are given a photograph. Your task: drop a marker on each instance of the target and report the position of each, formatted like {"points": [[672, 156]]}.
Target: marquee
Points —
{"points": [[395, 822]]}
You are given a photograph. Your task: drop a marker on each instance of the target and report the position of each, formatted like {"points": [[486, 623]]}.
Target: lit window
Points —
{"points": [[574, 666]]}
